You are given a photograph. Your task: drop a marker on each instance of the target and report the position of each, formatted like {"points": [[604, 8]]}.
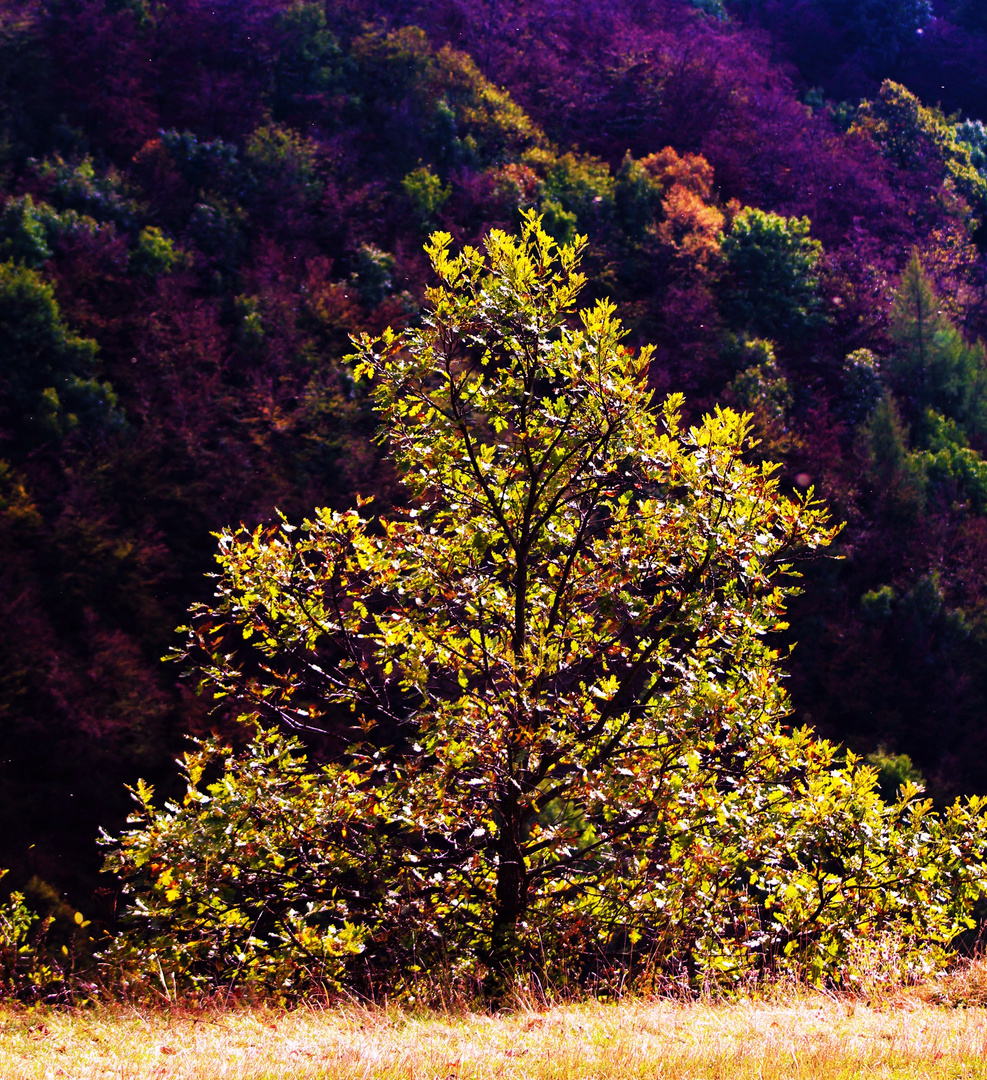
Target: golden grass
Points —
{"points": [[805, 1038]]}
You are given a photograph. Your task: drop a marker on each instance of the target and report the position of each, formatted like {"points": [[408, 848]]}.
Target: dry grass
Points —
{"points": [[803, 1037]]}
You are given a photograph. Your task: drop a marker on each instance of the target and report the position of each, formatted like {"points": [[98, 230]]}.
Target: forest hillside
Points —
{"points": [[202, 202]]}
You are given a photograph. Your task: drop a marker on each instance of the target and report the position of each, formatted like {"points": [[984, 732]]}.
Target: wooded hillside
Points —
{"points": [[201, 202]]}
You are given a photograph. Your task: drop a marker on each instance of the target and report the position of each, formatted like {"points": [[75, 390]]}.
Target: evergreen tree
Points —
{"points": [[932, 366], [46, 383]]}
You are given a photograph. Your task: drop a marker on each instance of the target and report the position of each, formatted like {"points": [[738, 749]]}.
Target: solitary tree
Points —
{"points": [[567, 716]]}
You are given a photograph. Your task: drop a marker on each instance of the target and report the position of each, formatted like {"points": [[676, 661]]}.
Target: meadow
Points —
{"points": [[798, 1035]]}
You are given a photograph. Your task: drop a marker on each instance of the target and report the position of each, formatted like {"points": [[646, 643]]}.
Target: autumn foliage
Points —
{"points": [[201, 203]]}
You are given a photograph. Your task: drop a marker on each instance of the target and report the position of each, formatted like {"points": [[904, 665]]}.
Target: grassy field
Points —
{"points": [[812, 1037]]}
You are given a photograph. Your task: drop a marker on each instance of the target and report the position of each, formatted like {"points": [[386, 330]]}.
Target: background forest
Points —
{"points": [[201, 202]]}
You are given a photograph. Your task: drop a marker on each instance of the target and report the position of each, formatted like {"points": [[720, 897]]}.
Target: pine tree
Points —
{"points": [[932, 366]]}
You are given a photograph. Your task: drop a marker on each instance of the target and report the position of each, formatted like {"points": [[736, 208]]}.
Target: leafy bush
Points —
{"points": [[39, 949], [246, 883], [22, 931]]}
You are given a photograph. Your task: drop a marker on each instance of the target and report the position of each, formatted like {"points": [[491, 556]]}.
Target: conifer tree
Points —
{"points": [[932, 366]]}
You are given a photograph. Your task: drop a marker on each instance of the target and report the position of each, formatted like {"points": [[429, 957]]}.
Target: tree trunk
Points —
{"points": [[510, 901]]}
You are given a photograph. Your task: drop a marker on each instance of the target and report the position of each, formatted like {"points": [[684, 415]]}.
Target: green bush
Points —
{"points": [[246, 883], [42, 941]]}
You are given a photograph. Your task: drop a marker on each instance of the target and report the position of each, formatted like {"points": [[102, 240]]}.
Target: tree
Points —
{"points": [[898, 477], [879, 27], [305, 69], [46, 384], [867, 34], [970, 15], [932, 365], [919, 138], [772, 285], [554, 667], [916, 319]]}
